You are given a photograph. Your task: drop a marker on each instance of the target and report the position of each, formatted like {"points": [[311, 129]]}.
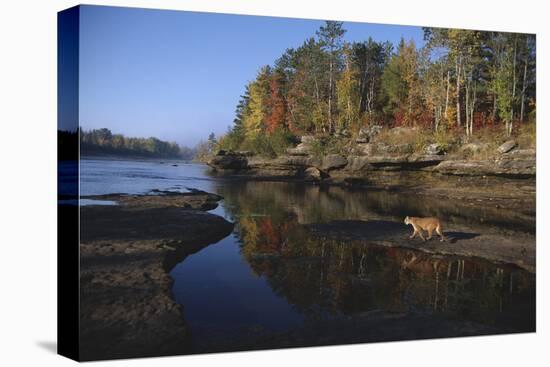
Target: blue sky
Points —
{"points": [[178, 75]]}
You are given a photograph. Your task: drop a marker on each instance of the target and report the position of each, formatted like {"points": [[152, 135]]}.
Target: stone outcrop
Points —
{"points": [[369, 157], [466, 168], [314, 174], [518, 162], [514, 164], [358, 164], [333, 161], [195, 199], [304, 148], [228, 161], [300, 149]]}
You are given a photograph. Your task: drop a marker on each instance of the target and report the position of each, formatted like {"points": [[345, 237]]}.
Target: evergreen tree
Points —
{"points": [[331, 38]]}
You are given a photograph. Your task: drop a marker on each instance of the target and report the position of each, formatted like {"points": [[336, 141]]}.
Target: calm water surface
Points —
{"points": [[271, 277]]}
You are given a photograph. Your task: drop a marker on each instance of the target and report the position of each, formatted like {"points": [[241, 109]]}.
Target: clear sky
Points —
{"points": [[178, 75]]}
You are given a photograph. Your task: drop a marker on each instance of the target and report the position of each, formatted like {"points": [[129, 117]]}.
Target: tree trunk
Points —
{"points": [[513, 88], [458, 67], [495, 107], [363, 88], [473, 106], [370, 97], [317, 98], [447, 96], [467, 105], [330, 97], [523, 88]]}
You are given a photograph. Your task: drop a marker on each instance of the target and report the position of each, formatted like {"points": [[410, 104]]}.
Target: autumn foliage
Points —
{"points": [[458, 80]]}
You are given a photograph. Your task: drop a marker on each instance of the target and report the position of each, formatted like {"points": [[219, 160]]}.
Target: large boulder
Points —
{"points": [[300, 150], [515, 166], [356, 163], [304, 148], [314, 161], [228, 161], [519, 162], [466, 168], [507, 146], [333, 161], [291, 160], [314, 174], [521, 153]]}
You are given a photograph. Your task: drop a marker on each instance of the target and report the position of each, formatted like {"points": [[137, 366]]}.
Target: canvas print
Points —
{"points": [[234, 183]]}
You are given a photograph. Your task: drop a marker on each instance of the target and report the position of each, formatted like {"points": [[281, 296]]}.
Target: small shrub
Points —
{"points": [[318, 149], [445, 137], [281, 140], [269, 145], [421, 141]]}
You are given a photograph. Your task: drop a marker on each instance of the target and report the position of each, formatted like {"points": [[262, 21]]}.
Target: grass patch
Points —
{"points": [[527, 135]]}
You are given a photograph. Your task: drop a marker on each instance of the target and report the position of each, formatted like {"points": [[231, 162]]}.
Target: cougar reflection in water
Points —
{"points": [[426, 224]]}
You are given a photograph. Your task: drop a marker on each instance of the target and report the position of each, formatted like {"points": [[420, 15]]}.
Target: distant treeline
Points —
{"points": [[104, 142]]}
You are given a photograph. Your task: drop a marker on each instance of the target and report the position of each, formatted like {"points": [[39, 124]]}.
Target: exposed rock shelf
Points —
{"points": [[381, 166], [518, 249], [516, 164], [126, 253]]}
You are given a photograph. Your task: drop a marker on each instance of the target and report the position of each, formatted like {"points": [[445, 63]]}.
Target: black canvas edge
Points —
{"points": [[68, 222]]}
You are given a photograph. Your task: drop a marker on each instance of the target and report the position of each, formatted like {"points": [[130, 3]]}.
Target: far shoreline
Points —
{"points": [[135, 158]]}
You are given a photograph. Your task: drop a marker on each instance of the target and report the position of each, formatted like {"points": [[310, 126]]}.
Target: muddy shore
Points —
{"points": [[126, 306]]}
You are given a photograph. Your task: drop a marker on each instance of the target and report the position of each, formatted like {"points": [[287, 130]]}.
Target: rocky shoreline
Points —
{"points": [[509, 162], [504, 183], [506, 176], [127, 251]]}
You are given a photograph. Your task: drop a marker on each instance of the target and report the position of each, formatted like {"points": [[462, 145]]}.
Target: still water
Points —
{"points": [[272, 282]]}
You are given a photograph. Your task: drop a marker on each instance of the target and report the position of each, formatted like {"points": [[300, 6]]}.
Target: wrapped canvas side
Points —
{"points": [[67, 185]]}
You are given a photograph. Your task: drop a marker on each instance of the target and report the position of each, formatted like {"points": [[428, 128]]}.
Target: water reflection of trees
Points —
{"points": [[314, 204], [326, 276]]}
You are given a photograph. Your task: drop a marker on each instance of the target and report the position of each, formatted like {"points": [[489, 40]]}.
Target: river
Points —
{"points": [[274, 283]]}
